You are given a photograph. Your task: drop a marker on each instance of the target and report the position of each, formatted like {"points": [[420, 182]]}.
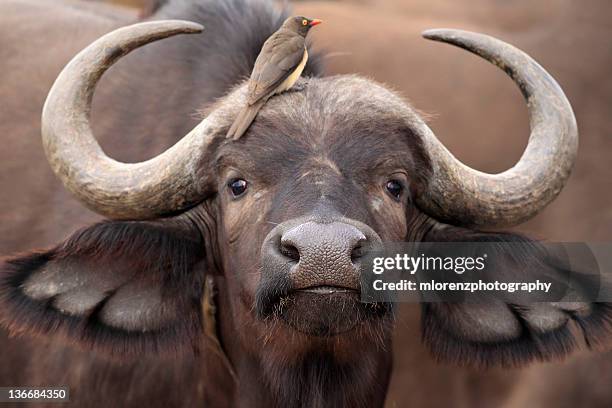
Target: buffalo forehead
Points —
{"points": [[331, 121], [340, 100], [318, 102]]}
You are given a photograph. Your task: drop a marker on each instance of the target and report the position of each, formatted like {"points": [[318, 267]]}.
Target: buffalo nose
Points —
{"points": [[324, 254]]}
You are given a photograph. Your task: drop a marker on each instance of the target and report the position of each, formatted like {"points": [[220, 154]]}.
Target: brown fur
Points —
{"points": [[266, 375]]}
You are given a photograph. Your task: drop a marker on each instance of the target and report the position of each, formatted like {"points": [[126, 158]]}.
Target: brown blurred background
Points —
{"points": [[481, 117]]}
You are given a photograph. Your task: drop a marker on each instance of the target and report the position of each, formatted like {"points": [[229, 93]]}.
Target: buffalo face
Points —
{"points": [[307, 194]]}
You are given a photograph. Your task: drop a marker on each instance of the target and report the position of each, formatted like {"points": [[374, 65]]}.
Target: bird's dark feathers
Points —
{"points": [[279, 57], [244, 119]]}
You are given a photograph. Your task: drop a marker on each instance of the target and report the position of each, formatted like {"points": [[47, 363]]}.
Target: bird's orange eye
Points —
{"points": [[304, 22]]}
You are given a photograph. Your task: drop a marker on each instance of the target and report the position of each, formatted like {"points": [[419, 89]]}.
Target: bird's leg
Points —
{"points": [[298, 86]]}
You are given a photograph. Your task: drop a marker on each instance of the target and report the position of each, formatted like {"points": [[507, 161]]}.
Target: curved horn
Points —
{"points": [[460, 194], [143, 190]]}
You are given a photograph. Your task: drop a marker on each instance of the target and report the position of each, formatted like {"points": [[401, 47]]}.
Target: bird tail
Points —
{"points": [[244, 120]]}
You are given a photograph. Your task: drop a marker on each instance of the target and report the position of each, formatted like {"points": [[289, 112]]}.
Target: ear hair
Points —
{"points": [[119, 287], [531, 345], [506, 334]]}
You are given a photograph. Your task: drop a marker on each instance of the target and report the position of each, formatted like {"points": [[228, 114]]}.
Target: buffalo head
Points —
{"points": [[282, 218]]}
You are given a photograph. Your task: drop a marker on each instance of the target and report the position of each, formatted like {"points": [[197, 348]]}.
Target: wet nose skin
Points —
{"points": [[327, 254], [315, 254]]}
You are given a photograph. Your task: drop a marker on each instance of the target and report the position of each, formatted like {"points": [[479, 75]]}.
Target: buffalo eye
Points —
{"points": [[237, 187], [395, 188]]}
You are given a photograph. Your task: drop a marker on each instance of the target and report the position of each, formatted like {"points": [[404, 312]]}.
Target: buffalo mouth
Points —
{"points": [[328, 290], [320, 310]]}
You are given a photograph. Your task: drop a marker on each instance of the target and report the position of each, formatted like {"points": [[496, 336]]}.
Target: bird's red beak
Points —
{"points": [[314, 22]]}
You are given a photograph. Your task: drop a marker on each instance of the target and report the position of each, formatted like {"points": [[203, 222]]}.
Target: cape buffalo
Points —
{"points": [[227, 273]]}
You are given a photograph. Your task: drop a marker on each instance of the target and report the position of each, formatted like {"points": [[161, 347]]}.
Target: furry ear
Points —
{"points": [[120, 287], [496, 332]]}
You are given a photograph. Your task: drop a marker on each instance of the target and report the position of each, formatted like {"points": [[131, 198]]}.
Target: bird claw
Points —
{"points": [[298, 87]]}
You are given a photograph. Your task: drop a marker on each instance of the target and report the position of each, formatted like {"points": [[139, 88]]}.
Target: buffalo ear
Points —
{"points": [[496, 332], [119, 287]]}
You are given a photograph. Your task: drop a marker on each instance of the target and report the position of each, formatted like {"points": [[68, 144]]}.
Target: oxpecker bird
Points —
{"points": [[279, 64]]}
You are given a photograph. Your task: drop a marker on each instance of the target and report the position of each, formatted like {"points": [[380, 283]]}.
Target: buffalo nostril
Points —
{"points": [[290, 251], [357, 252]]}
